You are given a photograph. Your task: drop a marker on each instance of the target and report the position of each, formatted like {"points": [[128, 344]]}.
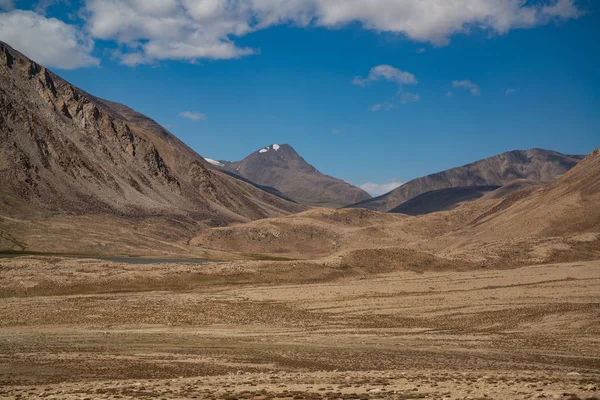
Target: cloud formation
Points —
{"points": [[194, 116], [48, 41], [510, 92], [151, 30], [466, 84], [377, 189], [388, 73]]}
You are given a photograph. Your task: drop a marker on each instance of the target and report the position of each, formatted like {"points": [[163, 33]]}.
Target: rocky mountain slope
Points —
{"points": [[281, 167], [537, 166], [63, 150]]}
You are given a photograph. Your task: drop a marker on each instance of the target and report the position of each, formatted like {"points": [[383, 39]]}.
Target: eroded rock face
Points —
{"points": [[64, 149]]}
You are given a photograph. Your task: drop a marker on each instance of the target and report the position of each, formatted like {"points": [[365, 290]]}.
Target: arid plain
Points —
{"points": [[79, 329]]}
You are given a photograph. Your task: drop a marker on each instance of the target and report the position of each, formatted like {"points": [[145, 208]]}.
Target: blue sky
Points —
{"points": [[378, 92]]}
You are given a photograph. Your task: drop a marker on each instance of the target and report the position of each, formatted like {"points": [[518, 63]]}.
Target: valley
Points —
{"points": [[132, 267]]}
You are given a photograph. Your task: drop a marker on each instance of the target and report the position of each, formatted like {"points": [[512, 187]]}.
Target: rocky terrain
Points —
{"points": [[281, 167], [65, 152], [536, 166]]}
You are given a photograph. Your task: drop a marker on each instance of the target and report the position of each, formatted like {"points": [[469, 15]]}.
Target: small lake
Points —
{"points": [[143, 260], [125, 260]]}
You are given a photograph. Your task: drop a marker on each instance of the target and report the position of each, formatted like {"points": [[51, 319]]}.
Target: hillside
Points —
{"points": [[66, 152], [569, 205], [281, 167], [535, 165]]}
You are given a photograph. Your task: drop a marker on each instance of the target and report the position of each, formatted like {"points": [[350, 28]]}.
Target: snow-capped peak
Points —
{"points": [[214, 162], [274, 147]]}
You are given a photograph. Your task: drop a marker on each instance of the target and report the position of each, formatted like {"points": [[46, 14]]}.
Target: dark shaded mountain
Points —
{"points": [[535, 165], [63, 150], [281, 167], [442, 199], [267, 189]]}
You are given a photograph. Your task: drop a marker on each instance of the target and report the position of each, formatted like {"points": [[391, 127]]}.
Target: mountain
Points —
{"points": [[442, 199], [568, 205], [282, 168], [66, 152], [536, 165]]}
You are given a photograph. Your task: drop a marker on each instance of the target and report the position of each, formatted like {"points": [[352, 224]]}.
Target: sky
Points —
{"points": [[375, 92]]}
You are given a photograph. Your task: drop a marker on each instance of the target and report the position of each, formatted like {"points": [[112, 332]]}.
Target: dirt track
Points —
{"points": [[521, 333]]}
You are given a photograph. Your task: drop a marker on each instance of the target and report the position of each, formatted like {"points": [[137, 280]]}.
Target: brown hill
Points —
{"points": [[556, 222], [65, 151], [281, 167], [536, 165]]}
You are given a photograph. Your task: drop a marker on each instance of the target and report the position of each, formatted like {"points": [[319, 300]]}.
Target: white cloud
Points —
{"points": [[377, 189], [48, 41], [195, 29], [170, 29], [406, 98], [391, 74], [421, 50], [564, 9], [7, 4], [466, 84], [194, 116], [510, 92], [449, 93], [388, 73]]}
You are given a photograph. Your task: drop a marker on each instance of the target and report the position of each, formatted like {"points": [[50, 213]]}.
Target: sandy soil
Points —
{"points": [[76, 329]]}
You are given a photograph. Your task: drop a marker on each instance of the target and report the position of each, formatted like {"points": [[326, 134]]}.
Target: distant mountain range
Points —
{"points": [[281, 168], [70, 162], [506, 172]]}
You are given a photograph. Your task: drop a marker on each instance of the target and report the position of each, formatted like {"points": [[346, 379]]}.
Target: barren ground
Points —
{"points": [[76, 329]]}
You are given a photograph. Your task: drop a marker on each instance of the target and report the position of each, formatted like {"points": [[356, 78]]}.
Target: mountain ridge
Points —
{"points": [[536, 165], [65, 150]]}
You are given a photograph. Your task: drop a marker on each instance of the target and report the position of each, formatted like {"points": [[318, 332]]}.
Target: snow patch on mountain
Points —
{"points": [[214, 162]]}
